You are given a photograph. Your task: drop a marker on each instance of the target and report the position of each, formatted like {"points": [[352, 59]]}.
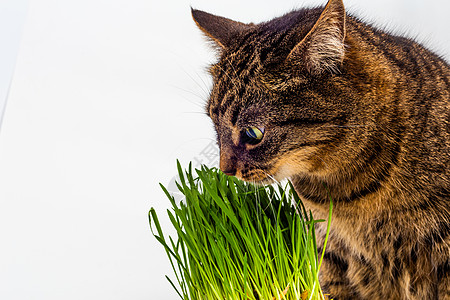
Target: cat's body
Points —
{"points": [[343, 109]]}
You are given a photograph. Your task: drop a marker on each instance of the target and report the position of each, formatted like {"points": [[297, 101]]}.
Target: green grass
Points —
{"points": [[238, 241]]}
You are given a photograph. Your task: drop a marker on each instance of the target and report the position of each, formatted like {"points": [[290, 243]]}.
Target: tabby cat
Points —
{"points": [[343, 108]]}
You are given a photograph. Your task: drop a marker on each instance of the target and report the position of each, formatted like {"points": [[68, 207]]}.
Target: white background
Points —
{"points": [[106, 95], [12, 17]]}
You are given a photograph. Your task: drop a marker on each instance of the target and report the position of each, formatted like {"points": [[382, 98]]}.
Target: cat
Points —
{"points": [[347, 111]]}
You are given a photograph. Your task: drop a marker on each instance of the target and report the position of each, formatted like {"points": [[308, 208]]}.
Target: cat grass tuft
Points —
{"points": [[239, 241]]}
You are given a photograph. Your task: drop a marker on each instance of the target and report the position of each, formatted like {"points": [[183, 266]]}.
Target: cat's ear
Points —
{"points": [[323, 47], [220, 30]]}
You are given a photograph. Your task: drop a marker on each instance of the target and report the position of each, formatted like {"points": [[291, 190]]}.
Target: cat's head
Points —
{"points": [[276, 102]]}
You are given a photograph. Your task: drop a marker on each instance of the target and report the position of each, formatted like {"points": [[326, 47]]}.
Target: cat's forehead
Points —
{"points": [[265, 43], [236, 74], [238, 60], [237, 90]]}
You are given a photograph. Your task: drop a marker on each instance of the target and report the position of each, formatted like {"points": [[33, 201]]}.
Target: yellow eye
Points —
{"points": [[254, 135]]}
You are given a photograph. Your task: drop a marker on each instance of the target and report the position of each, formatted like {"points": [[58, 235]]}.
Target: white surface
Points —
{"points": [[12, 17], [106, 95]]}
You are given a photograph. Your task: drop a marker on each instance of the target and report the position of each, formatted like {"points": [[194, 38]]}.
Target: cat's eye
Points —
{"points": [[253, 135]]}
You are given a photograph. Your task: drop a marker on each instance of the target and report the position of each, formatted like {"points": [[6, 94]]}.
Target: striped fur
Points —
{"points": [[348, 107]]}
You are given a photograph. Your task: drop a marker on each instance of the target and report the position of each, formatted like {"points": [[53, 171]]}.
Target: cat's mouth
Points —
{"points": [[260, 182], [258, 178], [274, 174], [259, 175]]}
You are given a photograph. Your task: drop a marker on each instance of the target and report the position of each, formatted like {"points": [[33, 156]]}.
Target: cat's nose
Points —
{"points": [[227, 163], [230, 172], [227, 167]]}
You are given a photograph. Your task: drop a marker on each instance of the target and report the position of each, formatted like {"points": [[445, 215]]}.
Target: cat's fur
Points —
{"points": [[353, 111]]}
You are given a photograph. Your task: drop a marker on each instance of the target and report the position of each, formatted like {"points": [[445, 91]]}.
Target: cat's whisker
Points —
{"points": [[194, 112], [324, 162], [180, 61], [231, 79], [346, 126], [275, 181], [206, 85], [205, 88], [257, 199], [234, 70], [177, 148], [272, 177], [296, 206], [189, 92], [189, 100]]}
